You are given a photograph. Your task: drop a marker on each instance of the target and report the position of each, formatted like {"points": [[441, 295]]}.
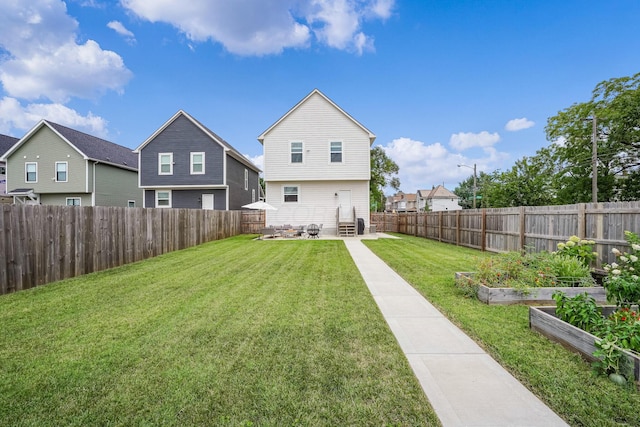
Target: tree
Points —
{"points": [[465, 190], [615, 104], [384, 173]]}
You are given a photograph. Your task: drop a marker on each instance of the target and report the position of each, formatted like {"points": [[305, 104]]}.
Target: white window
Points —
{"points": [[163, 198], [131, 203], [336, 151], [165, 163], [61, 171], [296, 152], [3, 170], [253, 195], [73, 201], [31, 172], [290, 193], [246, 179], [197, 163]]}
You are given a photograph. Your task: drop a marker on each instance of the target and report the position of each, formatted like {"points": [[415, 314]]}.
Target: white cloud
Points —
{"points": [[256, 160], [44, 59], [423, 166], [465, 140], [15, 116], [518, 124], [262, 27], [119, 28]]}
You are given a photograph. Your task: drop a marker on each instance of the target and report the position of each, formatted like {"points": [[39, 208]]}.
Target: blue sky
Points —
{"points": [[439, 82]]}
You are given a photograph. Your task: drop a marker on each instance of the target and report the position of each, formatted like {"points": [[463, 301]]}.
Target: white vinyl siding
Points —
{"points": [[317, 122], [197, 163], [165, 163], [31, 172], [61, 171], [163, 198]]}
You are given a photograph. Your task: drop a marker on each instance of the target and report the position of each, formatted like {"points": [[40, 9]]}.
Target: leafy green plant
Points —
{"points": [[578, 248], [570, 271], [580, 311], [623, 281]]}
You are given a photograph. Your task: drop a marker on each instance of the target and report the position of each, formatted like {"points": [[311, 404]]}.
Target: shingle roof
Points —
{"points": [[98, 149], [441, 193], [6, 142]]}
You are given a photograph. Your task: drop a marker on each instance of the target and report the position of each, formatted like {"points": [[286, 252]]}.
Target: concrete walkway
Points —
{"points": [[465, 386]]}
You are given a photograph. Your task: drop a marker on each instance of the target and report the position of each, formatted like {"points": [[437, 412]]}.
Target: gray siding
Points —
{"points": [[181, 138], [189, 199], [115, 186], [238, 196]]}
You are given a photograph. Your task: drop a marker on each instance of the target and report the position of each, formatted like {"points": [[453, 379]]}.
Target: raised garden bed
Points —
{"points": [[533, 295], [544, 321]]}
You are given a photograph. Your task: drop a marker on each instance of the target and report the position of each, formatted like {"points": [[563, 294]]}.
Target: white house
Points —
{"points": [[438, 199], [317, 167]]}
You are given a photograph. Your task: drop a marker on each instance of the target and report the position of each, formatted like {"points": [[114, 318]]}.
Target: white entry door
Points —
{"points": [[344, 202], [207, 201]]}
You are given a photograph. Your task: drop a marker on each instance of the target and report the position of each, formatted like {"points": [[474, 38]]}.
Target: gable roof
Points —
{"points": [[6, 142], [89, 146], [262, 136], [225, 145], [438, 192]]}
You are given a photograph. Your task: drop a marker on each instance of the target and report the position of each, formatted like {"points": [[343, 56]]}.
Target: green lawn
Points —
{"points": [[560, 378], [234, 332]]}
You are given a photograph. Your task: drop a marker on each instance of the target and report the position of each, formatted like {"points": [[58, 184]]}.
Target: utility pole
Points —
{"points": [[594, 162], [475, 182]]}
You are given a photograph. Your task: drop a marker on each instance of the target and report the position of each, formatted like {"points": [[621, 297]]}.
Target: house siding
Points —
{"points": [[115, 187], [46, 148], [181, 138], [317, 203], [189, 199], [316, 123], [238, 196], [61, 199]]}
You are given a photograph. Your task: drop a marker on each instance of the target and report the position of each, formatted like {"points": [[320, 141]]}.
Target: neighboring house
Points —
{"points": [[317, 167], [185, 165], [6, 142], [438, 199], [404, 202], [55, 165]]}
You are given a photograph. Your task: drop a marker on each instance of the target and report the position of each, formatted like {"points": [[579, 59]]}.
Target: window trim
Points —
{"points": [[284, 193], [26, 172], [253, 195], [169, 198], [160, 155], [301, 152], [341, 152], [66, 171], [192, 163], [79, 199], [131, 203], [246, 179]]}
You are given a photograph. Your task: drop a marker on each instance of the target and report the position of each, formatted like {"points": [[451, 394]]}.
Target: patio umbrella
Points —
{"points": [[260, 205]]}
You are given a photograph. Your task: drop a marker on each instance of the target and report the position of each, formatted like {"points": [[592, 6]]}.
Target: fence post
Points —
{"points": [[522, 228], [458, 228], [582, 220], [483, 232]]}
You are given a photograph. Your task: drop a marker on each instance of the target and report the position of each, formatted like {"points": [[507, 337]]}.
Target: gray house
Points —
{"points": [[185, 165], [56, 165], [6, 142]]}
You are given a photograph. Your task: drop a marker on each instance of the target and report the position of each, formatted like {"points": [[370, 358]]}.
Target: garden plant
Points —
{"points": [[620, 329]]}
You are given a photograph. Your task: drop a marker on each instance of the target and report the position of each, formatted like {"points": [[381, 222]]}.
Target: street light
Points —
{"points": [[475, 179]]}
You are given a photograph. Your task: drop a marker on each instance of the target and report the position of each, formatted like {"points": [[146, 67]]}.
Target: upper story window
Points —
{"points": [[336, 151], [31, 172], [246, 179], [165, 163], [163, 198], [296, 152], [197, 163], [61, 171], [291, 193]]}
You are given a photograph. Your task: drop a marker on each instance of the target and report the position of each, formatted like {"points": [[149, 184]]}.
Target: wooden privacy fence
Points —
{"points": [[252, 222], [508, 229], [41, 244]]}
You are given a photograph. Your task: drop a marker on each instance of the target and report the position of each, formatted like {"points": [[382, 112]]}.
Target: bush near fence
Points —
{"points": [[510, 229], [42, 244]]}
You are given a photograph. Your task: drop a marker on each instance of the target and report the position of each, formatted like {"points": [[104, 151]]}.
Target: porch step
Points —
{"points": [[346, 229]]}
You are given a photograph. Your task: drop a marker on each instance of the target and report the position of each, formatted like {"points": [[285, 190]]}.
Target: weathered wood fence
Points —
{"points": [[252, 221], [508, 229], [42, 244]]}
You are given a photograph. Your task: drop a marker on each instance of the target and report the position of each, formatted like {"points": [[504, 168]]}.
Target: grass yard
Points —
{"points": [[560, 378], [234, 332]]}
